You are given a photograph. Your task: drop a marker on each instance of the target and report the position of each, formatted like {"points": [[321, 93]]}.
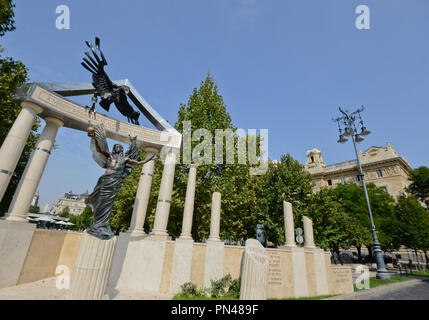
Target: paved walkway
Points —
{"points": [[46, 290], [39, 290], [418, 291]]}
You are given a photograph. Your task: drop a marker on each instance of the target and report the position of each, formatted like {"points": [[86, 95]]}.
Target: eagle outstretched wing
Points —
{"points": [[100, 79], [100, 139]]}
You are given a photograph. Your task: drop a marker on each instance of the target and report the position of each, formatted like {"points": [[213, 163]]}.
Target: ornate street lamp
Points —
{"points": [[350, 129]]}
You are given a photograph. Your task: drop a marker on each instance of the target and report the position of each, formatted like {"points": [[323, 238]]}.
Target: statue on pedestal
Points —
{"points": [[118, 167]]}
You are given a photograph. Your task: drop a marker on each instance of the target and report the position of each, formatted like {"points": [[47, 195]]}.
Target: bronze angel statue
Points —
{"points": [[118, 167]]}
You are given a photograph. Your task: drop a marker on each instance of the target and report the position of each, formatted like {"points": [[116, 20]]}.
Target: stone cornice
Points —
{"points": [[77, 117], [366, 166]]}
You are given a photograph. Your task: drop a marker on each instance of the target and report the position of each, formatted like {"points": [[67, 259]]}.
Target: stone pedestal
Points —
{"points": [[12, 146], [254, 272], [299, 272], [142, 196], [92, 268], [321, 272], [137, 265], [182, 261], [215, 252], [289, 224], [188, 211], [15, 240], [33, 172]]}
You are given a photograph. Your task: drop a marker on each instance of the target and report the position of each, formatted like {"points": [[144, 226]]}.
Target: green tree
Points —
{"points": [[86, 218], [419, 186], [34, 209], [12, 75], [285, 180], [333, 227], [65, 213], [352, 198], [412, 224], [6, 16], [82, 221]]}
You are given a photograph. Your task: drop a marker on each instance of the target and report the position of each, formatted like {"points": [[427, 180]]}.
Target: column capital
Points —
{"points": [[54, 121], [32, 106]]}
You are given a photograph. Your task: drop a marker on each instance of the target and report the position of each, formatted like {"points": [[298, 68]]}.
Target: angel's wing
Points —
{"points": [[133, 151], [100, 137]]}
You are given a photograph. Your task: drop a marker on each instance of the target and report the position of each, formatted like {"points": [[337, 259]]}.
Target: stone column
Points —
{"points": [[188, 211], [289, 224], [92, 268], [33, 172], [215, 217], [143, 195], [164, 197], [12, 147], [308, 232]]}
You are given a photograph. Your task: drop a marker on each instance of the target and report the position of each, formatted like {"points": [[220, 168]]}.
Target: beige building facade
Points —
{"points": [[75, 203], [381, 166]]}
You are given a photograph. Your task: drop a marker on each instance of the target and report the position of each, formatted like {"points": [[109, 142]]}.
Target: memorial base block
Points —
{"points": [[15, 240], [92, 268]]}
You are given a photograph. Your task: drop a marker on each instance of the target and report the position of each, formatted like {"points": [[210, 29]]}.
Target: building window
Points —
{"points": [[379, 174], [343, 180], [357, 178], [329, 182], [384, 189], [312, 159]]}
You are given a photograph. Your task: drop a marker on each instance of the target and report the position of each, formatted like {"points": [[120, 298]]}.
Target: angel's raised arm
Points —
{"points": [[149, 157], [97, 147]]}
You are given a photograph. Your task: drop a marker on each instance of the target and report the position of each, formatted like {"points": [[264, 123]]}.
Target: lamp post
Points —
{"points": [[350, 130]]}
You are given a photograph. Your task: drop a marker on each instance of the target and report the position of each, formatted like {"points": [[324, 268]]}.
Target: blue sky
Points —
{"points": [[284, 66]]}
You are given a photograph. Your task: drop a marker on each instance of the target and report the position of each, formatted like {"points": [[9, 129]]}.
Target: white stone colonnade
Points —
{"points": [[33, 171], [44, 100], [12, 146]]}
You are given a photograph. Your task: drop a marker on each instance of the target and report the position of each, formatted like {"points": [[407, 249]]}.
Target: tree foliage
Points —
{"points": [[411, 225], [333, 226], [82, 221], [65, 213], [419, 186], [6, 16]]}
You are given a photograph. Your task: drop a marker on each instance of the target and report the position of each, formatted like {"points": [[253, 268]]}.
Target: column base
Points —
{"points": [[136, 232], [185, 237], [310, 247], [289, 246], [157, 237], [214, 239], [16, 217], [159, 232], [383, 275]]}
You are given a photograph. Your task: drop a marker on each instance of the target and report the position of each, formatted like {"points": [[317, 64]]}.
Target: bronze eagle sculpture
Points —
{"points": [[107, 91]]}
